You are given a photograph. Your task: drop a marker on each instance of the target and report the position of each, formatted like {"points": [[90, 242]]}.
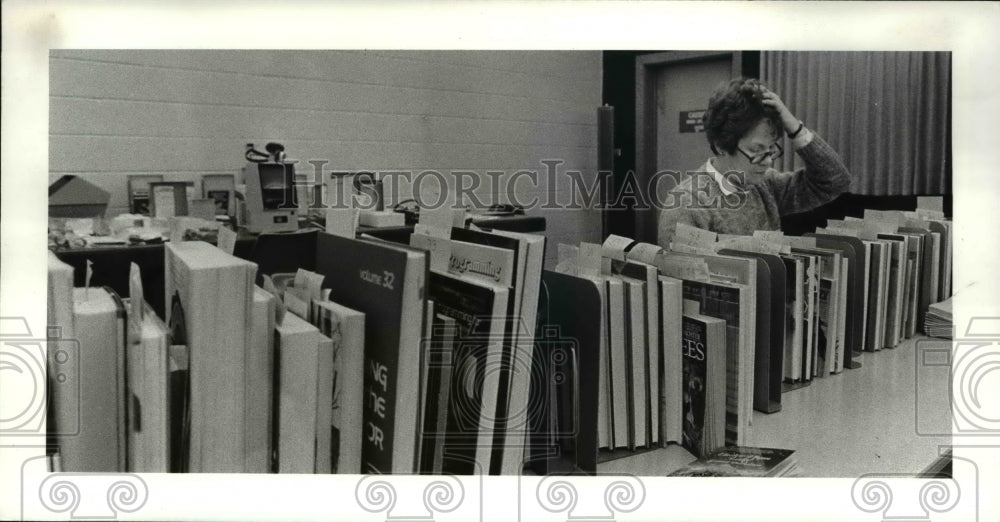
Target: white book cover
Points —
{"points": [[297, 349], [259, 412], [149, 396], [324, 405], [671, 358], [211, 294], [346, 328], [619, 365], [515, 441]]}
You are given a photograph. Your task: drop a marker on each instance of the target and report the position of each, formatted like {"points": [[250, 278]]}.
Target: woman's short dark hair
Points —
{"points": [[734, 108]]}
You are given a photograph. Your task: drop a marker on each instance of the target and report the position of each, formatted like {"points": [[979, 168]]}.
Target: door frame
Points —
{"points": [[647, 67]]}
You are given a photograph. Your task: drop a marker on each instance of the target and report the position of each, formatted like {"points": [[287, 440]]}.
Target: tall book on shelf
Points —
{"points": [[260, 383], [770, 343], [479, 310], [149, 393], [704, 347], [387, 283], [300, 357], [346, 329], [213, 292], [852, 254], [90, 404], [514, 422]]}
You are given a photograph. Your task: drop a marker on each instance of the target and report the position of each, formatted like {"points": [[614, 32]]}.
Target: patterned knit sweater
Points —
{"points": [[698, 200]]}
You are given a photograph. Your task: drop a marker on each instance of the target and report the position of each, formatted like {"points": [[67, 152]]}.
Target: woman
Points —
{"points": [[738, 191]]}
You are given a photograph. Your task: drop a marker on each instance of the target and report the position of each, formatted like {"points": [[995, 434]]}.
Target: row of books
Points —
{"points": [[692, 338], [379, 358]]}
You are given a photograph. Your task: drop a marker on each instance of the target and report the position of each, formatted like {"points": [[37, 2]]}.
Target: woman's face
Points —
{"points": [[756, 151]]}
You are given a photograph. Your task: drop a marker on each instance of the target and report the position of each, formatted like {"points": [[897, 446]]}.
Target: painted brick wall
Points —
{"points": [[184, 113]]}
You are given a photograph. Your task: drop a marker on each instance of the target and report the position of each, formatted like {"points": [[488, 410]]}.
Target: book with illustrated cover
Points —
{"points": [[386, 282], [770, 343], [852, 293], [725, 287], [704, 369], [742, 461], [794, 317]]}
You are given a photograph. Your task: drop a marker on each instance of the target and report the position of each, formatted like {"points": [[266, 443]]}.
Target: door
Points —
{"points": [[672, 91]]}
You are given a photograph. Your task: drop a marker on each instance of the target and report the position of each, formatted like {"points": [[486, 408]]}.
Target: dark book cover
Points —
{"points": [[702, 423], [372, 278], [739, 461], [439, 370], [509, 243], [824, 342], [695, 370], [769, 347], [723, 302], [471, 305], [852, 250]]}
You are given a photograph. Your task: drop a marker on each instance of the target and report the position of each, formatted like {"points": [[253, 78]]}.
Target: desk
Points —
{"points": [[111, 263], [875, 419], [111, 267]]}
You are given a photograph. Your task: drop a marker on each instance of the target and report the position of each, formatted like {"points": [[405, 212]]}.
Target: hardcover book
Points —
{"points": [[92, 398], [213, 291], [439, 366], [704, 367], [770, 343], [672, 359], [260, 383], [479, 310], [149, 394], [346, 329], [387, 283], [515, 440], [297, 394]]}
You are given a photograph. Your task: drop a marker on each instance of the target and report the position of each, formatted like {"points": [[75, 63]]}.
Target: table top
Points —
{"points": [[891, 416]]}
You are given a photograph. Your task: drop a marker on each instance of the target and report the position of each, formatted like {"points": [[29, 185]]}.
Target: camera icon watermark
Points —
{"points": [[969, 365], [489, 399], [39, 368], [421, 497]]}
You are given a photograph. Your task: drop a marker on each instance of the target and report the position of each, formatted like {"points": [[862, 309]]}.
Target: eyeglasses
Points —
{"points": [[774, 152]]}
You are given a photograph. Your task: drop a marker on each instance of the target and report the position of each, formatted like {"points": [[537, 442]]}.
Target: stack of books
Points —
{"points": [[938, 320]]}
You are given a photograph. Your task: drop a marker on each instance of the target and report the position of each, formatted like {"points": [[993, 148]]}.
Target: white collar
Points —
{"points": [[719, 179]]}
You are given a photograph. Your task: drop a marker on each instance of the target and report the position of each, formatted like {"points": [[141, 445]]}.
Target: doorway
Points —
{"points": [[672, 91]]}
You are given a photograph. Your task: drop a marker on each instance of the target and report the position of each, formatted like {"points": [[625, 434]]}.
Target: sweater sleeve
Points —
{"points": [[823, 178]]}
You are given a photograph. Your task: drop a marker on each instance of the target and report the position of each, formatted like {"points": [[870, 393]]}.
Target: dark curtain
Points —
{"points": [[888, 114]]}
